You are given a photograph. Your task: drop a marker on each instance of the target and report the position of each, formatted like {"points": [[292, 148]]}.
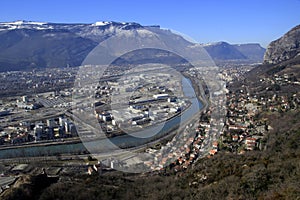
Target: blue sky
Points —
{"points": [[233, 21]]}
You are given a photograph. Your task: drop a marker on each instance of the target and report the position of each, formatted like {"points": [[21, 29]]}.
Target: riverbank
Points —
{"points": [[43, 143], [75, 146]]}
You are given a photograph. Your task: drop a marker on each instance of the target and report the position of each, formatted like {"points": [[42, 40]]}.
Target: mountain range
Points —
{"points": [[272, 173], [26, 45], [282, 59], [282, 56]]}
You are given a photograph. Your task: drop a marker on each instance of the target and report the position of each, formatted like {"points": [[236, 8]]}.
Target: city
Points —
{"points": [[149, 100], [242, 130]]}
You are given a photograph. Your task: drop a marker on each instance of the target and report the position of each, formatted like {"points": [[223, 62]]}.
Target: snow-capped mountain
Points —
{"points": [[27, 44], [21, 24]]}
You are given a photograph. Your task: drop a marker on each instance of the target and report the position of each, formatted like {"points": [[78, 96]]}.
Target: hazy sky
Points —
{"points": [[233, 21]]}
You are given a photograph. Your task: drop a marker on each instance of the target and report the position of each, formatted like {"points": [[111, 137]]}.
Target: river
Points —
{"points": [[110, 144]]}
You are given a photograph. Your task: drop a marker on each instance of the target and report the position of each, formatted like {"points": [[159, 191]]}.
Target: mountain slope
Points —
{"points": [[284, 48], [25, 45], [252, 51], [281, 59], [224, 51], [26, 48]]}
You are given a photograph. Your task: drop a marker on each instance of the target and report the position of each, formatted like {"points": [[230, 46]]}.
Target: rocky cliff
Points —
{"points": [[285, 48]]}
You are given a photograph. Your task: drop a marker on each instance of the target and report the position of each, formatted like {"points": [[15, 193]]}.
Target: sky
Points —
{"points": [[206, 21]]}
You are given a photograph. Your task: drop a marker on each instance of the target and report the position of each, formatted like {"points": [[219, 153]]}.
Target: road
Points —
{"points": [[193, 120]]}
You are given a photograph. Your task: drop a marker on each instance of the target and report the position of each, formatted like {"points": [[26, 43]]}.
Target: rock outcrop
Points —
{"points": [[285, 48]]}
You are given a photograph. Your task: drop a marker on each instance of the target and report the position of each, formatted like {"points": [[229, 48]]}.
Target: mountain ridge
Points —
{"points": [[281, 61], [26, 44], [285, 48]]}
